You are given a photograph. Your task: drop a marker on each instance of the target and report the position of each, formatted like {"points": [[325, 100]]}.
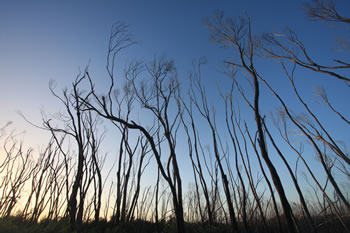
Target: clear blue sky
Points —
{"points": [[52, 40]]}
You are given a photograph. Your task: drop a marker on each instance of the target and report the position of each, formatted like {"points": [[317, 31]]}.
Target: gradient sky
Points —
{"points": [[52, 40]]}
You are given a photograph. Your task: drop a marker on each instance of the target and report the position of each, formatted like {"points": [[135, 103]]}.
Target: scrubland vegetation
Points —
{"points": [[253, 170]]}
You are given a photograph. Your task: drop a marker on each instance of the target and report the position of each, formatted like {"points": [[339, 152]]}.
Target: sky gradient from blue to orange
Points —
{"points": [[53, 40]]}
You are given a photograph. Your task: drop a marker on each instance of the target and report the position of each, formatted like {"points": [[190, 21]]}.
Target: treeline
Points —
{"points": [[237, 162]]}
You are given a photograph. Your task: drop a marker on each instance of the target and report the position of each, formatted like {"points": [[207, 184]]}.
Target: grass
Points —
{"points": [[17, 224]]}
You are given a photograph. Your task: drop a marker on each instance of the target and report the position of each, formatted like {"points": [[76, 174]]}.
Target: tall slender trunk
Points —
{"points": [[262, 144]]}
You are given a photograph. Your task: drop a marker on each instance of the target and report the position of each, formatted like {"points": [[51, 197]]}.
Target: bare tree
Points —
{"points": [[238, 34], [198, 97], [155, 98], [81, 126], [325, 10], [16, 170]]}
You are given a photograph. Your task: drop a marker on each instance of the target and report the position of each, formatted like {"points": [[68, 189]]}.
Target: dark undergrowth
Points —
{"points": [[15, 224], [20, 225]]}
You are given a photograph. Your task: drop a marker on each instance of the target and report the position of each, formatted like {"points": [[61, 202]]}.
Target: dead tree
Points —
{"points": [[238, 34], [155, 98], [16, 170], [80, 125], [286, 48], [199, 99]]}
